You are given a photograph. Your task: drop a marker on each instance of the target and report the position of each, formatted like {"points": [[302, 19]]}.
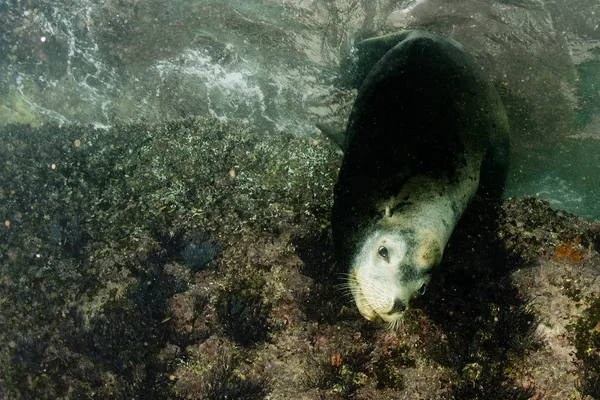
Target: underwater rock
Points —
{"points": [[512, 316], [199, 251]]}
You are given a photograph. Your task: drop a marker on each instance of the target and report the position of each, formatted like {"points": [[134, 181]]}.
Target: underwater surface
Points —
{"points": [[165, 201], [287, 65]]}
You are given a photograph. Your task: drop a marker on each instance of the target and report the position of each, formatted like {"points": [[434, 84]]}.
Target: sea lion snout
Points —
{"points": [[398, 307]]}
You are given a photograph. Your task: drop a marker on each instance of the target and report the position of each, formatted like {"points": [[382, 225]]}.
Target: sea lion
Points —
{"points": [[427, 130]]}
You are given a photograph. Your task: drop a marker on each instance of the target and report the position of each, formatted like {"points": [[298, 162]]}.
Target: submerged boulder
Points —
{"points": [[134, 260]]}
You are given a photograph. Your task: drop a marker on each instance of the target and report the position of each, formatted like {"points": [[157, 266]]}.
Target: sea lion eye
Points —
{"points": [[422, 289], [383, 252]]}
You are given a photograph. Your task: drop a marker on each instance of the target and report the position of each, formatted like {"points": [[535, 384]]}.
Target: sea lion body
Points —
{"points": [[427, 127]]}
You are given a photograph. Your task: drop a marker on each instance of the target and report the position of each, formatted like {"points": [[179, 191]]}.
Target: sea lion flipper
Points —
{"points": [[335, 135], [371, 50]]}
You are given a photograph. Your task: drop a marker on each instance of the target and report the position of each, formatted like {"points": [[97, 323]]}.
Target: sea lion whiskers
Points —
{"points": [[396, 324], [344, 292], [369, 294]]}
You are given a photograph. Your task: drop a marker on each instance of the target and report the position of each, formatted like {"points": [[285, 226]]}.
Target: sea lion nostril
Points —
{"points": [[399, 306]]}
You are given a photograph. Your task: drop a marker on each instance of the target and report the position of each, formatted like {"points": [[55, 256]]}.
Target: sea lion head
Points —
{"points": [[390, 268]]}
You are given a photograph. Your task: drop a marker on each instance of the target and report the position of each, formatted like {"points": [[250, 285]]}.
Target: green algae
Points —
{"points": [[586, 339], [99, 294], [94, 220], [14, 110]]}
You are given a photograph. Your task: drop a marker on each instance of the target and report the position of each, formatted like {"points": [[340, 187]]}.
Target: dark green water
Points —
{"points": [[566, 174]]}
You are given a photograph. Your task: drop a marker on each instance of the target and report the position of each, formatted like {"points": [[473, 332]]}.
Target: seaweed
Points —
{"points": [[243, 317], [585, 336], [224, 381], [342, 373]]}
